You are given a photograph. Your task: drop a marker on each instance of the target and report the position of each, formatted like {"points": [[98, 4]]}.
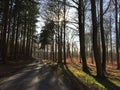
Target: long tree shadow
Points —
{"points": [[22, 78], [107, 83], [79, 67], [70, 78], [53, 81], [104, 81], [36, 77]]}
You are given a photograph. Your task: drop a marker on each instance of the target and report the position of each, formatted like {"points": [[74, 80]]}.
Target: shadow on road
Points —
{"points": [[36, 76], [76, 84]]}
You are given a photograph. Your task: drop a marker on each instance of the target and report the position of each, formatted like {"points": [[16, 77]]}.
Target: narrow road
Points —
{"points": [[36, 76]]}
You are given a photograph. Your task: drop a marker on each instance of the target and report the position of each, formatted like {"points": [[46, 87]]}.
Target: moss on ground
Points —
{"points": [[94, 82]]}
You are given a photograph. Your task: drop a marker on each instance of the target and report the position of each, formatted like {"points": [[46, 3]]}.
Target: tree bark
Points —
{"points": [[102, 38], [111, 41], [117, 36], [95, 42], [64, 32], [82, 36], [59, 42], [4, 31]]}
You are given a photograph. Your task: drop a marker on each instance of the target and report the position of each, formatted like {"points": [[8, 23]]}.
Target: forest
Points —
{"points": [[60, 44]]}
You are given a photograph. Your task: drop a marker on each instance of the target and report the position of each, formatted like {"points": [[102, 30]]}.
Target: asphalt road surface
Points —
{"points": [[36, 76]]}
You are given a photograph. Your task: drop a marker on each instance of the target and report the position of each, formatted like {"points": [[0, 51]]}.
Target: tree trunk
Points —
{"points": [[5, 23], [102, 38], [24, 36], [82, 36], [12, 38], [9, 27], [59, 42], [95, 41], [117, 37], [111, 41], [16, 39], [64, 32]]}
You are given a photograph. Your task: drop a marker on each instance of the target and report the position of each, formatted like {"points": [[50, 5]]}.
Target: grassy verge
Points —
{"points": [[94, 83], [79, 80]]}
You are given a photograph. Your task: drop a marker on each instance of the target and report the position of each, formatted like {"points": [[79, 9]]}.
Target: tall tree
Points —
{"points": [[64, 31], [96, 47], [102, 37], [111, 40], [4, 31], [59, 39], [82, 34], [12, 35], [117, 34]]}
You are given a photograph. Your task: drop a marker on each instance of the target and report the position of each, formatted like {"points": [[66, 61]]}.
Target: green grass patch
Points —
{"points": [[86, 79], [93, 82], [116, 82]]}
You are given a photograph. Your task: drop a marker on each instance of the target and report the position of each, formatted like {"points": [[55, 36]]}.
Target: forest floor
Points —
{"points": [[110, 82], [37, 75], [45, 75]]}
